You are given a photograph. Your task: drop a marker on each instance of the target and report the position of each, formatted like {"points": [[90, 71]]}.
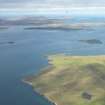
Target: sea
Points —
{"points": [[28, 52]]}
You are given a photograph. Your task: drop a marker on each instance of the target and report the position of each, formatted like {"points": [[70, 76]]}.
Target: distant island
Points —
{"points": [[3, 27], [72, 80], [91, 41], [28, 21], [45, 23], [61, 25], [56, 26]]}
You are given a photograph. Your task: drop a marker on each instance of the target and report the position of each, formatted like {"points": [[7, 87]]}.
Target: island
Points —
{"points": [[48, 23], [71, 80], [3, 28], [91, 41], [56, 26]]}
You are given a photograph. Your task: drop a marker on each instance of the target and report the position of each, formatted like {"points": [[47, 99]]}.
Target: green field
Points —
{"points": [[72, 80]]}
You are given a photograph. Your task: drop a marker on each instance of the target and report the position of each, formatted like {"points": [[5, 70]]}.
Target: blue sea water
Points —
{"points": [[29, 54]]}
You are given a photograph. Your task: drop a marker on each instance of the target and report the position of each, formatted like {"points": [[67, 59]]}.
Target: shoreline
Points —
{"points": [[60, 62], [45, 97]]}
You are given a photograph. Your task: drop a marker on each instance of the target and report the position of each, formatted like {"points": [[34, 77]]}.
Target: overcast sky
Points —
{"points": [[83, 2], [55, 2], [97, 5]]}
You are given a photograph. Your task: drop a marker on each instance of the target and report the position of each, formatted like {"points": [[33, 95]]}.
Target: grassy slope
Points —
{"points": [[71, 76]]}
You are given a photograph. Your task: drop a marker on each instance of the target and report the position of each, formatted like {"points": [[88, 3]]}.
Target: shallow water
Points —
{"points": [[28, 54]]}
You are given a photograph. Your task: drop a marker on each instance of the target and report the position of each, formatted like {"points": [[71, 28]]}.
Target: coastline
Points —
{"points": [[45, 97], [56, 74]]}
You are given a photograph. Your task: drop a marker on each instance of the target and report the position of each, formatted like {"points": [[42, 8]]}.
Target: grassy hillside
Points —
{"points": [[73, 80]]}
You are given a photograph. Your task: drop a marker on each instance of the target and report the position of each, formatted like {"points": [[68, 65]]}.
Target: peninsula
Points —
{"points": [[72, 80]]}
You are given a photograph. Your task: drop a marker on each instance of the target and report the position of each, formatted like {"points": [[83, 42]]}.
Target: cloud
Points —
{"points": [[40, 5], [56, 2]]}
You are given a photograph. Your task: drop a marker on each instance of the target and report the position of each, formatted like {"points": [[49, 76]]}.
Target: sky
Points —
{"points": [[53, 5], [57, 2]]}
